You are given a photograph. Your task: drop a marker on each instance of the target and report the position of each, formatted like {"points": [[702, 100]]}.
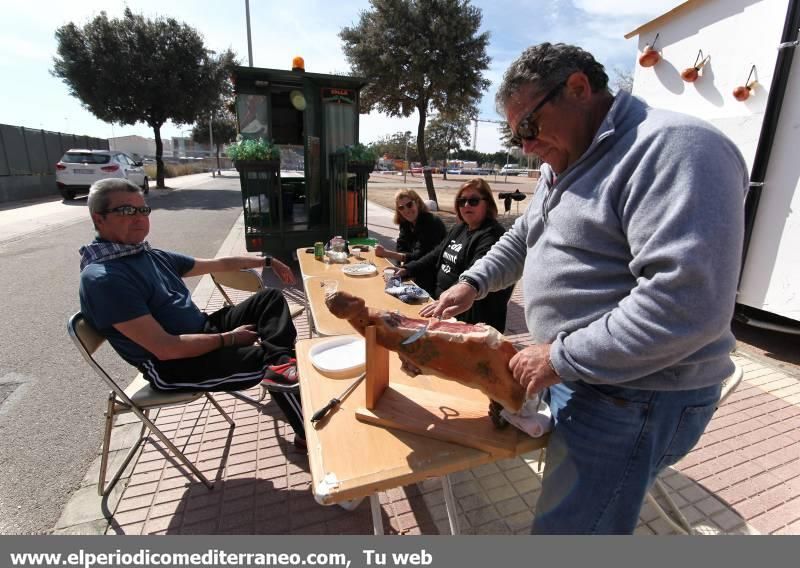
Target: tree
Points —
{"points": [[420, 55], [394, 145], [623, 80], [446, 132], [223, 128], [506, 135], [134, 69]]}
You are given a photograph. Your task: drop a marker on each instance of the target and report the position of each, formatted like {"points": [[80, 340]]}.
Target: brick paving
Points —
{"points": [[741, 479]]}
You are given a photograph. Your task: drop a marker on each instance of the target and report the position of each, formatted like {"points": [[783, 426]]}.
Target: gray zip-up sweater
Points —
{"points": [[630, 258]]}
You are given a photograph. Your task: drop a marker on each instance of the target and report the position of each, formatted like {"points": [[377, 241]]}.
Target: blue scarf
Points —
{"points": [[101, 251]]}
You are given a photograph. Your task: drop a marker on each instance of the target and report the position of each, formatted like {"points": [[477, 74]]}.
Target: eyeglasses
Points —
{"points": [[528, 129], [130, 210], [471, 201], [409, 205]]}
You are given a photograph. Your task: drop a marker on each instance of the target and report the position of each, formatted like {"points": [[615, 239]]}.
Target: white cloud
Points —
{"points": [[622, 8]]}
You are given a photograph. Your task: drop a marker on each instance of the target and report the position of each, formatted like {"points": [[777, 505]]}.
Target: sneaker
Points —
{"points": [[282, 378]]}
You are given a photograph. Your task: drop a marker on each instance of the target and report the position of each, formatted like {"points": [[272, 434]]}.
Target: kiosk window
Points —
{"points": [[252, 113], [287, 121]]}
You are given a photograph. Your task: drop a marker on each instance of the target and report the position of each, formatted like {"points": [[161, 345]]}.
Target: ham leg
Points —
{"points": [[474, 355]]}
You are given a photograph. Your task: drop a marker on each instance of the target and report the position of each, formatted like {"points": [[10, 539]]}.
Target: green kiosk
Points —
{"points": [[314, 193]]}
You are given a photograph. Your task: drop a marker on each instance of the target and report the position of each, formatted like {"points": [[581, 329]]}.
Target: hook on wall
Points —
{"points": [[650, 55], [742, 92], [691, 74]]}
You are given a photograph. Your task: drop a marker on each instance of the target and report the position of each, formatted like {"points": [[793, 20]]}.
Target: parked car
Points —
{"points": [[78, 169]]}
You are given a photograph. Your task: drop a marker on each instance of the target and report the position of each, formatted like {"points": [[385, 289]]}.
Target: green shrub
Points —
{"points": [[359, 153], [260, 150]]}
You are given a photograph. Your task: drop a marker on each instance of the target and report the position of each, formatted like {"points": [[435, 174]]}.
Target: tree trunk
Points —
{"points": [[159, 161], [423, 156], [444, 170], [218, 168]]}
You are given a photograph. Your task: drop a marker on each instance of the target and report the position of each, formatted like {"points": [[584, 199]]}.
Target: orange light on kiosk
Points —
{"points": [[298, 64]]}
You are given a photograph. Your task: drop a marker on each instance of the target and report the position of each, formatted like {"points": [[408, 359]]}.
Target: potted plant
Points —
{"points": [[255, 154], [360, 159]]}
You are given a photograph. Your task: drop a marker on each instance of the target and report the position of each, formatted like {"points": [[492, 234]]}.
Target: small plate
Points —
{"points": [[361, 269], [344, 355]]}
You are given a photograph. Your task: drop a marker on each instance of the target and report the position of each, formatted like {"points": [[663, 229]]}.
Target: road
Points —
{"points": [[51, 402]]}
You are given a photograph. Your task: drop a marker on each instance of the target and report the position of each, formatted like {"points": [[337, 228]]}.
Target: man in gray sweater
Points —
{"points": [[629, 255]]}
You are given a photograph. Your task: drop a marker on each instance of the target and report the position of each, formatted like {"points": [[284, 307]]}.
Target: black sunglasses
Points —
{"points": [[528, 129], [472, 201], [130, 210], [401, 206]]}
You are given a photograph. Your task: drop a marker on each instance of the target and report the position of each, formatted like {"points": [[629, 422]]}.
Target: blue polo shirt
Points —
{"points": [[126, 288]]}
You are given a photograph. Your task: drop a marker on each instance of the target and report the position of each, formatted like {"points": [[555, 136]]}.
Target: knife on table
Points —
{"points": [[334, 402]]}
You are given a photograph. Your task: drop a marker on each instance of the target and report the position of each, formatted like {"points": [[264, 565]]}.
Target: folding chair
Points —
{"points": [[246, 280], [675, 517], [139, 398]]}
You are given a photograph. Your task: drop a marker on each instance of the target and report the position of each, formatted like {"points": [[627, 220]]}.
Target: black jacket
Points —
{"points": [[417, 240], [493, 308]]}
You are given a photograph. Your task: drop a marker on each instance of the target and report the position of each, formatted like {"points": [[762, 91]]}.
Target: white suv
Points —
{"points": [[77, 170]]}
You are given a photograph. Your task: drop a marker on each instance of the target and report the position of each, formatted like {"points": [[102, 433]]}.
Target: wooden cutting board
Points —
{"points": [[449, 418]]}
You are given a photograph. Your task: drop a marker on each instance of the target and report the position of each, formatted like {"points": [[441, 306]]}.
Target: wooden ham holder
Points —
{"points": [[461, 420]]}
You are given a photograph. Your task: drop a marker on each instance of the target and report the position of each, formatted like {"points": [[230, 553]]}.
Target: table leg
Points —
{"points": [[377, 519], [450, 504], [309, 319]]}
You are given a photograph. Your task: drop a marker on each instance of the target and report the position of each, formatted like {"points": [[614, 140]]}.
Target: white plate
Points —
{"points": [[360, 269], [345, 354]]}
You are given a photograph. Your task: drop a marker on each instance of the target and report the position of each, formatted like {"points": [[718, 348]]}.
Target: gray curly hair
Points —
{"points": [[546, 65], [100, 193]]}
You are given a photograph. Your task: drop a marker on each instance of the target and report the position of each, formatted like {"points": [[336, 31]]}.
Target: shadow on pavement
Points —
{"points": [[776, 345], [210, 199]]}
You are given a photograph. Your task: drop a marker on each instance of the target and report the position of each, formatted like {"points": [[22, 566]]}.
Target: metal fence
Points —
{"points": [[26, 151]]}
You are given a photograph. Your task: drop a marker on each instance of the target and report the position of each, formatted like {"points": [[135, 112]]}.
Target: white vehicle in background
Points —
{"points": [[513, 171], [77, 170]]}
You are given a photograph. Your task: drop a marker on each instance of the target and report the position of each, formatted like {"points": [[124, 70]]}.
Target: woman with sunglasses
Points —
{"points": [[465, 243], [420, 232]]}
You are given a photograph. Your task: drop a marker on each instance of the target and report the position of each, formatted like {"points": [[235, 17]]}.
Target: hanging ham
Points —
{"points": [[474, 355]]}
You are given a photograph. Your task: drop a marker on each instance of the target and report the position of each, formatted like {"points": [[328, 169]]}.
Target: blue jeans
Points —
{"points": [[607, 446]]}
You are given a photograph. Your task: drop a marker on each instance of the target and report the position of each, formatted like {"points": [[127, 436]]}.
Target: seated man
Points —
{"points": [[134, 295]]}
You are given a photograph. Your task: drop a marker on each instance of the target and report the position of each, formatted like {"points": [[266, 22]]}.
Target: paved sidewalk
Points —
{"points": [[741, 479]]}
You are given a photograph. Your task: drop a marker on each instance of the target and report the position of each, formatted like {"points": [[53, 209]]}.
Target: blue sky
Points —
{"points": [[32, 97]]}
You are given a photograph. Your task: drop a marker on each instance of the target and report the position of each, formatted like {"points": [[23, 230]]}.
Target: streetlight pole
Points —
{"points": [[211, 140], [405, 160], [249, 41]]}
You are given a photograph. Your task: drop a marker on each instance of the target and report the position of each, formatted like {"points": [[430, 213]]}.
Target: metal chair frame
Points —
{"points": [[674, 517], [88, 341]]}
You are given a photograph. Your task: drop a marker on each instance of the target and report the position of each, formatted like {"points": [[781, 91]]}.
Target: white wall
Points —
{"points": [[738, 34], [771, 279], [133, 145]]}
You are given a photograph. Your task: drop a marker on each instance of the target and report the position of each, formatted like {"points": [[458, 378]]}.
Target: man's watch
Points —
{"points": [[471, 282], [267, 261]]}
